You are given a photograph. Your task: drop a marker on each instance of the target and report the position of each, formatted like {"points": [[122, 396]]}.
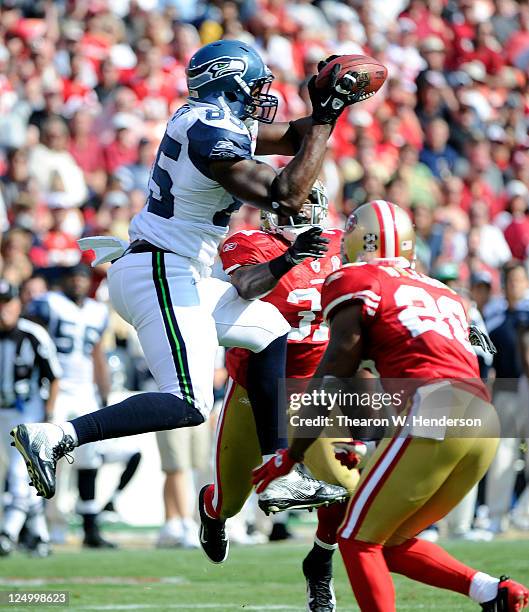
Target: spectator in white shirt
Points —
{"points": [[493, 248], [50, 161]]}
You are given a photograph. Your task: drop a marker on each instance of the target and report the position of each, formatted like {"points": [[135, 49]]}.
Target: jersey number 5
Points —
{"points": [[423, 313], [161, 200]]}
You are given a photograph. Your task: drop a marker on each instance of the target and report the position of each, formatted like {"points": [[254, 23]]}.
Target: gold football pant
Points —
{"points": [[412, 482], [237, 453]]}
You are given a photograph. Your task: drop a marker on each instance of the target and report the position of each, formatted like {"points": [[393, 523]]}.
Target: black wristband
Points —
{"points": [[281, 265]]}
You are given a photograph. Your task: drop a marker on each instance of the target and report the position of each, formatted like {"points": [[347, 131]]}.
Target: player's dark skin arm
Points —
{"points": [[254, 281], [341, 359], [259, 184], [282, 138]]}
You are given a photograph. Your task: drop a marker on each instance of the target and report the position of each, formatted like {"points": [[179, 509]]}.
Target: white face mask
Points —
{"points": [[291, 233]]}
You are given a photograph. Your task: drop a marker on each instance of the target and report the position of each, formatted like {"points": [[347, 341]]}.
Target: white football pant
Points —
{"points": [[181, 318]]}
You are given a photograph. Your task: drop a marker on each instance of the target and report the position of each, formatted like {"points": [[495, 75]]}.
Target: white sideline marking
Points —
{"points": [[116, 580], [188, 606]]}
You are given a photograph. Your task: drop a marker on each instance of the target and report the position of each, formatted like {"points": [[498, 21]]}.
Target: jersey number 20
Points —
{"points": [[423, 313]]}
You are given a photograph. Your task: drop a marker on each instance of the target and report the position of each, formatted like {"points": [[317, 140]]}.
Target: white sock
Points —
{"points": [[37, 526], [267, 457], [324, 545], [13, 521], [483, 588], [69, 430]]}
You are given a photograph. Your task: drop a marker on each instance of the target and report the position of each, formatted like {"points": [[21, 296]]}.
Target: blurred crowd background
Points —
{"points": [[87, 86]]}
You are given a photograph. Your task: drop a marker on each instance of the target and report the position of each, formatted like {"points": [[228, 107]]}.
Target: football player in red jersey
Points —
{"points": [[294, 287], [413, 327]]}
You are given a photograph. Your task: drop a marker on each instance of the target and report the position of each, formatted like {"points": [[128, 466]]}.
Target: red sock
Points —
{"points": [[429, 563], [369, 575], [329, 519], [208, 503]]}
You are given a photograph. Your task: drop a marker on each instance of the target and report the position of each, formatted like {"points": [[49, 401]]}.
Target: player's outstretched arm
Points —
{"points": [[257, 280], [282, 138], [259, 184]]}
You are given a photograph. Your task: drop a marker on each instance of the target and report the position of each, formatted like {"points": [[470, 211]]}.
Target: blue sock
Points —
{"points": [[265, 370], [137, 414]]}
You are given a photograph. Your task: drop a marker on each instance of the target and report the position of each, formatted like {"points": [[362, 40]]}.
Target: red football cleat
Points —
{"points": [[511, 597]]}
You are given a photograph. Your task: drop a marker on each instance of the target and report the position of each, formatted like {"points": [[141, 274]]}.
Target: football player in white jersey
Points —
{"points": [[161, 284], [76, 324]]}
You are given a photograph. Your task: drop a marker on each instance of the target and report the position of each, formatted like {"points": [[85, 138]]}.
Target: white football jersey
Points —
{"points": [[74, 330], [187, 211]]}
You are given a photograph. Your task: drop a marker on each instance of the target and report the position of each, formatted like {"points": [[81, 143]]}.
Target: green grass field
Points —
{"points": [[262, 578]]}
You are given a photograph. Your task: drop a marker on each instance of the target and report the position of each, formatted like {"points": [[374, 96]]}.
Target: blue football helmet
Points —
{"points": [[231, 73]]}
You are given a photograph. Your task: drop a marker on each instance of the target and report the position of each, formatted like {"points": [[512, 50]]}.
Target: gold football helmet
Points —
{"points": [[313, 213], [376, 230]]}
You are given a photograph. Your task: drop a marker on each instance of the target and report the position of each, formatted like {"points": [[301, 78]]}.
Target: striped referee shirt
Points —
{"points": [[28, 363]]}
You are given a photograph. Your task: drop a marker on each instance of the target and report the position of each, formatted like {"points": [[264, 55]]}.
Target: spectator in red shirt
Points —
{"points": [[151, 80], [476, 188], [485, 48], [75, 85], [517, 232], [86, 149], [463, 31], [58, 247], [123, 150], [517, 46]]}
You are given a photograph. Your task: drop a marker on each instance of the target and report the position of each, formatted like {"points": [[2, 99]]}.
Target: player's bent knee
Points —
{"points": [[196, 413], [178, 411], [273, 326], [255, 325]]}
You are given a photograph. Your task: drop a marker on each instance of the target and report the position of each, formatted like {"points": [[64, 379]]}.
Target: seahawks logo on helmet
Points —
{"points": [[216, 69]]}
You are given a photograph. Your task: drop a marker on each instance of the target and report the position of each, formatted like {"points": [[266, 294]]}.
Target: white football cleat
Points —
{"points": [[42, 445], [298, 491]]}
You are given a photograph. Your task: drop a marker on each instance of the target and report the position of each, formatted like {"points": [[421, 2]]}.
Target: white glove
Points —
{"points": [[106, 248]]}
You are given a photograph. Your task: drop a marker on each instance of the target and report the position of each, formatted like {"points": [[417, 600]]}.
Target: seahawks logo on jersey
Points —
{"points": [[215, 69]]}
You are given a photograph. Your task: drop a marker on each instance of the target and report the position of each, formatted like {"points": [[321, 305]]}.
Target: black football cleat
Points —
{"points": [[320, 588], [299, 491], [42, 445], [280, 533], [93, 539], [212, 533]]}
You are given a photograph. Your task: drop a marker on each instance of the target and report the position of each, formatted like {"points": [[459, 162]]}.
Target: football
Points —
{"points": [[370, 74]]}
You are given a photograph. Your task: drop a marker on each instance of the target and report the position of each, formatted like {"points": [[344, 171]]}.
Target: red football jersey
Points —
{"points": [[415, 326], [297, 296]]}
